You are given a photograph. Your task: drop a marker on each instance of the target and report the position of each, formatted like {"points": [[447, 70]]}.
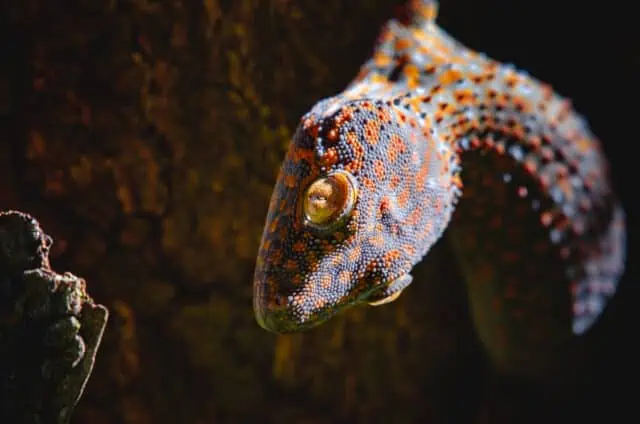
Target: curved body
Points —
{"points": [[434, 136]]}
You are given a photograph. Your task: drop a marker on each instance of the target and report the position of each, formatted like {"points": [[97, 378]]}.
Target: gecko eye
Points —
{"points": [[329, 199]]}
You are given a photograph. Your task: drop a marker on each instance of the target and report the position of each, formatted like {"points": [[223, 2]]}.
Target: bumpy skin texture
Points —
{"points": [[428, 127], [50, 329]]}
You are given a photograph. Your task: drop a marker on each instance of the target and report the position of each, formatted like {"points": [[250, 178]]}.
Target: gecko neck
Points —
{"points": [[531, 192]]}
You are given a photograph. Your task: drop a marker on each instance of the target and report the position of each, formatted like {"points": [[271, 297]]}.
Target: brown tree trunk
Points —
{"points": [[146, 136]]}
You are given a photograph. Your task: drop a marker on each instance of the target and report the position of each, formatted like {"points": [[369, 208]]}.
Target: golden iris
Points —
{"points": [[329, 199]]}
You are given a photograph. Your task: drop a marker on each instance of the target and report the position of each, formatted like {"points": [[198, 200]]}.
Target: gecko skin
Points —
{"points": [[433, 136]]}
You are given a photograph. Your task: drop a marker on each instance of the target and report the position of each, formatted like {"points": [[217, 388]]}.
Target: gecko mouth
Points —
{"points": [[384, 300], [391, 292]]}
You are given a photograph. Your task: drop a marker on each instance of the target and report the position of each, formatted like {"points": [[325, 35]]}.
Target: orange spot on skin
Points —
{"points": [[381, 59], [344, 277], [377, 240], [319, 301], [421, 176], [457, 181], [521, 104], [512, 79], [426, 231], [429, 11], [395, 181], [273, 226], [330, 157], [584, 145], [332, 135], [384, 115], [415, 103], [354, 254], [404, 196], [379, 169], [266, 245], [345, 116], [517, 131], [414, 217], [366, 106], [372, 132], [464, 96], [390, 256], [368, 183], [402, 44], [396, 147], [379, 79], [412, 73], [356, 164], [385, 205], [450, 76], [325, 281], [335, 260], [503, 100]]}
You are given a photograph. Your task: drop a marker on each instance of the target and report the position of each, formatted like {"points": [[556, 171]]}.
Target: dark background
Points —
{"points": [[146, 136]]}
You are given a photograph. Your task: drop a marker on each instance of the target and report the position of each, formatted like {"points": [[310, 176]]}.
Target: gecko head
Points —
{"points": [[353, 209]]}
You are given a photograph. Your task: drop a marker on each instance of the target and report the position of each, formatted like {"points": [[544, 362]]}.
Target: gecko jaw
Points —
{"points": [[385, 300]]}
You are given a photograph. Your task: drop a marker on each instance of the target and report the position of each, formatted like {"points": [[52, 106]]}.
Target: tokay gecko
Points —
{"points": [[432, 136]]}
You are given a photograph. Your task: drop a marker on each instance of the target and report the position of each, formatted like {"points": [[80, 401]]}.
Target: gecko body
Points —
{"points": [[432, 136]]}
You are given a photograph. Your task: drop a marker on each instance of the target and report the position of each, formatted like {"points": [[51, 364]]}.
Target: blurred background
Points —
{"points": [[146, 137]]}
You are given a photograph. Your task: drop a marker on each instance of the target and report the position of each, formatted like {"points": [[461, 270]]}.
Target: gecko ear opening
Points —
{"points": [[391, 292]]}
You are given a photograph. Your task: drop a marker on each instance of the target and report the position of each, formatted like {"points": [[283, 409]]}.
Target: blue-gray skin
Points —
{"points": [[373, 177]]}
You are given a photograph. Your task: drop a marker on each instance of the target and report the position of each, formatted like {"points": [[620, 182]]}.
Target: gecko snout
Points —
{"points": [[276, 314], [267, 312]]}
